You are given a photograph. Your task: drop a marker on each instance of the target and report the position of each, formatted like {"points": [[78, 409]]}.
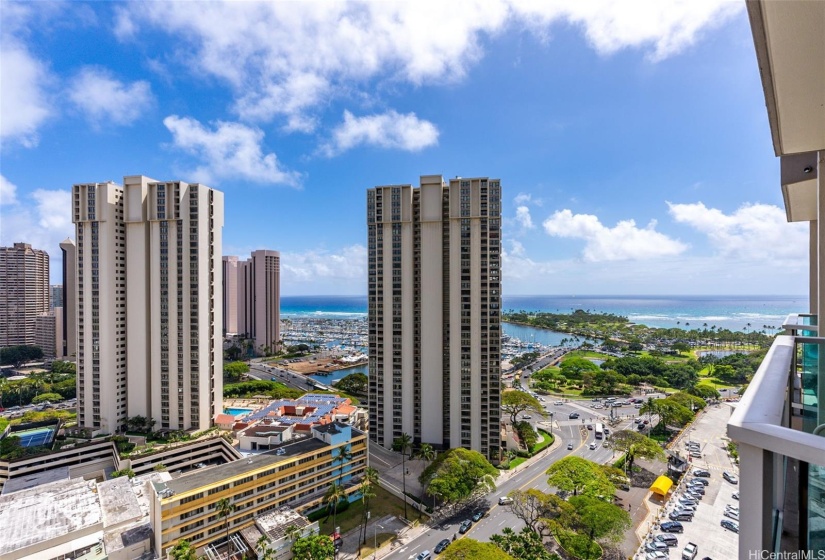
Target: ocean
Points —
{"points": [[688, 312]]}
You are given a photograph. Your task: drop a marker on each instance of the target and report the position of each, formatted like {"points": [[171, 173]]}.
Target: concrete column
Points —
{"points": [[813, 269], [756, 497], [820, 190]]}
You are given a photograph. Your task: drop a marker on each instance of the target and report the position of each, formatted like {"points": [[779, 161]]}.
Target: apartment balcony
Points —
{"points": [[779, 426]]}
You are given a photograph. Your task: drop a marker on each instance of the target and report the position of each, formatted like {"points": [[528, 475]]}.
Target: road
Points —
{"points": [[267, 372], [532, 476]]}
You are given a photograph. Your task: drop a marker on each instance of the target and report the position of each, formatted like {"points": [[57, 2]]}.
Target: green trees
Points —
{"points": [[575, 368], [368, 486], [634, 444], [427, 453], [59, 366], [458, 475], [233, 371], [18, 355], [600, 520], [402, 444], [356, 383], [335, 493], [123, 472], [224, 508], [516, 402], [536, 508], [340, 455], [47, 397], [580, 476], [313, 547], [469, 549], [183, 551], [140, 424], [524, 545]]}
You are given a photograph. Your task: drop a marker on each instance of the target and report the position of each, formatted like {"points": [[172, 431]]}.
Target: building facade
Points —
{"points": [[24, 293], [48, 334], [168, 236], [434, 302], [230, 295], [252, 298], [780, 422], [56, 294], [67, 316], [297, 476]]}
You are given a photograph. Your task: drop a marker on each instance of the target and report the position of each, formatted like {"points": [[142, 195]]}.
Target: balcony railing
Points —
{"points": [[780, 428]]}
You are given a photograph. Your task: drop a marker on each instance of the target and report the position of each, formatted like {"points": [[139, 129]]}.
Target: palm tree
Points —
{"points": [[225, 509], [371, 481], [340, 455], [368, 485], [403, 443], [427, 453], [333, 497]]}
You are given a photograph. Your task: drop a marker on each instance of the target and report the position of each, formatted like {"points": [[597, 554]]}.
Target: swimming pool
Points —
{"points": [[237, 411], [36, 436]]}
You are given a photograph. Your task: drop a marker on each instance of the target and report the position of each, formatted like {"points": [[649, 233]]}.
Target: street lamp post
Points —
{"points": [[375, 540]]}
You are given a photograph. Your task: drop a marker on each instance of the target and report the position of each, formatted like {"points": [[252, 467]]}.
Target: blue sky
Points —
{"points": [[630, 137]]}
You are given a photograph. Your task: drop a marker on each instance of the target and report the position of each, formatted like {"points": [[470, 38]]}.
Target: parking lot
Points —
{"points": [[705, 530]]}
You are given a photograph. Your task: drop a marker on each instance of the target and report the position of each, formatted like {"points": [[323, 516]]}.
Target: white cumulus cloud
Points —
{"points": [[8, 192], [105, 99], [41, 218], [229, 150], [385, 130], [322, 271], [523, 217], [624, 241], [24, 101], [287, 60], [752, 232]]}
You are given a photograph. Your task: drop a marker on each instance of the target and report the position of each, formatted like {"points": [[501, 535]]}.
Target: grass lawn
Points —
{"points": [[585, 354], [516, 462], [381, 505], [548, 439]]}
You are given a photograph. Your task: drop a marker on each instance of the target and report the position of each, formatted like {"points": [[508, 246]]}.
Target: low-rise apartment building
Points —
{"points": [[296, 475]]}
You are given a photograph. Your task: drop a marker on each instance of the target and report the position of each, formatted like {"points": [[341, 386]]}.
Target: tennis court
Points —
{"points": [[35, 436]]}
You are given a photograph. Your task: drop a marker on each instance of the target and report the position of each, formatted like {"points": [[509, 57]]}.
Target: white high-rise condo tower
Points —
{"points": [[434, 304], [148, 283]]}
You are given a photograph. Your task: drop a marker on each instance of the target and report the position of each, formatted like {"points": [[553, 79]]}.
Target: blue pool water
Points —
{"points": [[237, 411]]}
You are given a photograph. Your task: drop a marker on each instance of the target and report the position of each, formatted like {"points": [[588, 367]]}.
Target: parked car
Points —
{"points": [[423, 555], [465, 526], [732, 514], [690, 551], [735, 495], [687, 501], [701, 481], [505, 501], [681, 516], [672, 527], [701, 473], [697, 489], [731, 508], [656, 555], [730, 477], [655, 545], [441, 546], [695, 454], [478, 515], [668, 539], [731, 525]]}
